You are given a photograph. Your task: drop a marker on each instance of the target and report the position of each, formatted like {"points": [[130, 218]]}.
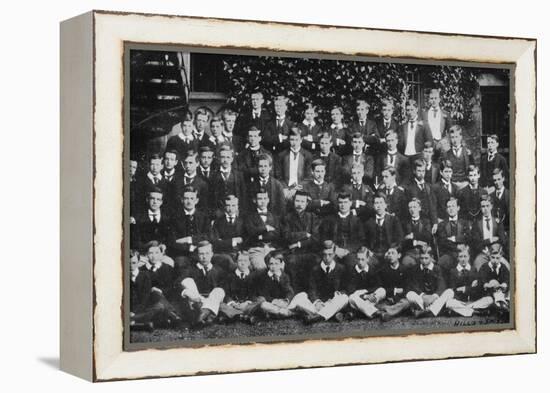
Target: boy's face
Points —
{"points": [[495, 258], [456, 139], [190, 165], [280, 108], [133, 168], [154, 254], [257, 101], [243, 263], [361, 260], [428, 153], [201, 122], [357, 174], [414, 209], [205, 255], [499, 181], [328, 255], [187, 127], [452, 208], [309, 114], [262, 200], [324, 145], [411, 111], [357, 144], [155, 166], [319, 173], [336, 116], [190, 200], [492, 145], [229, 122], [387, 112], [254, 138], [344, 205], [391, 141], [170, 161], [388, 179], [425, 259], [295, 141], [380, 206], [206, 159], [300, 203], [362, 111], [264, 168], [216, 128], [434, 99], [447, 174], [486, 208], [420, 172], [154, 200], [392, 255], [226, 158], [232, 206], [134, 262], [275, 266], [473, 177], [463, 258]]}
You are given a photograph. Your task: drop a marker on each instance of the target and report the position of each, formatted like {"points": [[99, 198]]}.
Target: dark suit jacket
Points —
{"points": [[392, 279], [432, 173], [214, 278], [322, 285], [366, 160], [182, 147], [397, 202], [270, 135], [199, 184], [234, 185], [245, 122], [270, 289], [486, 274], [365, 194], [460, 163], [256, 228], [314, 132], [317, 193], [275, 190], [382, 129], [470, 204], [421, 135], [402, 166], [140, 291], [239, 289], [444, 123], [367, 129], [333, 167], [464, 278], [477, 234], [340, 133], [282, 166], [223, 232], [370, 281], [163, 279], [247, 162], [345, 233], [427, 199], [295, 227], [463, 235], [392, 234], [196, 226], [501, 207], [421, 231], [145, 230], [442, 195], [429, 283], [487, 167]]}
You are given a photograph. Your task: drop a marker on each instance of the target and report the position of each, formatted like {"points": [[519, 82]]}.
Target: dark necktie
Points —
{"points": [[488, 224], [453, 228]]}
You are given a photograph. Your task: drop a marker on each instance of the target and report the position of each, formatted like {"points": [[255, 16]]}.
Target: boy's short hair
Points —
{"points": [[498, 171], [230, 197], [452, 199], [417, 201], [259, 190], [265, 157], [155, 243], [360, 102], [134, 253], [495, 248], [278, 255], [154, 156], [280, 98], [444, 164], [229, 112], [455, 128], [205, 149], [318, 162], [337, 107], [411, 103], [327, 245], [390, 169], [381, 195], [256, 92], [357, 135], [295, 131], [201, 112], [302, 193], [419, 163], [190, 189], [344, 195], [363, 250], [153, 190], [226, 147], [472, 168], [484, 196], [186, 116], [463, 248], [428, 145], [325, 135], [390, 132], [253, 129], [216, 119], [172, 151], [310, 105], [427, 250], [493, 137], [387, 102], [435, 90], [192, 153], [204, 243]]}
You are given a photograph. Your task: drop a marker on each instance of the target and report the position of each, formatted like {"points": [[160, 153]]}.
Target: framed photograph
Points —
{"points": [[302, 196]]}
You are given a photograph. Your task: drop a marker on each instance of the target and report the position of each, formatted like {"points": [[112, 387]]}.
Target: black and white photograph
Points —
{"points": [[277, 198]]}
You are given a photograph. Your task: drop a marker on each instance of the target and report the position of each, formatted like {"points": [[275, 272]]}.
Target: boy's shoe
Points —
{"points": [[339, 317]]}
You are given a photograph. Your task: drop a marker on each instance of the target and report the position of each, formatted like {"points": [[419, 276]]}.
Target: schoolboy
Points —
{"points": [[444, 188], [293, 164], [274, 188], [460, 156], [275, 136], [338, 131], [396, 196], [359, 157], [310, 129], [184, 140], [247, 161], [491, 160], [417, 231], [469, 197], [320, 190], [413, 133], [333, 162], [362, 195]]}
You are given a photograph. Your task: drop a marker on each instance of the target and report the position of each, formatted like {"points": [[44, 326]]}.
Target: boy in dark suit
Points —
{"points": [[444, 189], [362, 125], [247, 161], [184, 140], [364, 286], [293, 164], [191, 178], [229, 120], [396, 196], [263, 230], [135, 193], [326, 295], [362, 196], [386, 122], [153, 177], [394, 277], [490, 161], [201, 286], [418, 234], [301, 234], [257, 117], [338, 131], [359, 157], [227, 181], [151, 223], [275, 136], [333, 162], [460, 157], [274, 290], [217, 138], [427, 292], [494, 280], [432, 169], [201, 123], [383, 231], [413, 134], [206, 168], [391, 157], [274, 188], [501, 199], [469, 197], [310, 129], [418, 188], [321, 192]]}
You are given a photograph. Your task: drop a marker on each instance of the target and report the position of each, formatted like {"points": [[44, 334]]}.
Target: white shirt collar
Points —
{"points": [[151, 176], [186, 138], [206, 268], [318, 183], [359, 270], [459, 267], [238, 273], [330, 267], [306, 123], [336, 126], [189, 213], [341, 215], [429, 267]]}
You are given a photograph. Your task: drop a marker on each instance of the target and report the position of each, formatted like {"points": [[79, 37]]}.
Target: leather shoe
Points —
{"points": [[339, 317]]}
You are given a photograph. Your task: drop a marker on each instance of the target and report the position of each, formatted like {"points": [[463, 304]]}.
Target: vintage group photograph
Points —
{"points": [[281, 197]]}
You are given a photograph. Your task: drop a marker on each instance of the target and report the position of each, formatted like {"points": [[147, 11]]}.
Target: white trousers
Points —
{"points": [[467, 309], [434, 303], [325, 309], [211, 302], [365, 306]]}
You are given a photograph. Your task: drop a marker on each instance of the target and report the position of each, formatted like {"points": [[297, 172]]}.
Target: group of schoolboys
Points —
{"points": [[259, 217]]}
